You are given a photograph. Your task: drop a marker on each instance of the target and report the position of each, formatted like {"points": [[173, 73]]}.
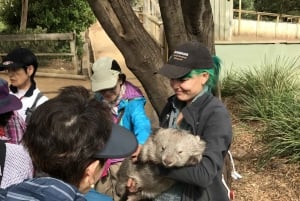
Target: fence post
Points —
{"points": [[73, 51]]}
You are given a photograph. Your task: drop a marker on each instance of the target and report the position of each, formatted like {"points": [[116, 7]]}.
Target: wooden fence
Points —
{"points": [[222, 12], [268, 25], [70, 52]]}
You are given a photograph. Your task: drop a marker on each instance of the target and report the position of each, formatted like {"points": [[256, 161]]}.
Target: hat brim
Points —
{"points": [[173, 72], [121, 143], [102, 85], [10, 103], [4, 66], [104, 82]]}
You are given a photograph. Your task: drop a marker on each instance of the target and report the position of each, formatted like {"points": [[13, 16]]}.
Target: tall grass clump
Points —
{"points": [[282, 134], [270, 94]]}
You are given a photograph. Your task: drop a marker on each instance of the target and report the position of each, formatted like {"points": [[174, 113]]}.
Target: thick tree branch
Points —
{"points": [[142, 54]]}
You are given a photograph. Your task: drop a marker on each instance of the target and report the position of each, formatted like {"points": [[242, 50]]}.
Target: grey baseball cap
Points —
{"points": [[121, 143]]}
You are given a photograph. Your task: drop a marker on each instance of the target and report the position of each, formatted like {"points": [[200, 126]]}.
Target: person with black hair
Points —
{"points": [[21, 65], [126, 103], [66, 141]]}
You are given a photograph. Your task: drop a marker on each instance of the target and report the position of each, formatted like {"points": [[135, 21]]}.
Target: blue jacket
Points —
{"points": [[134, 116], [93, 195], [42, 189]]}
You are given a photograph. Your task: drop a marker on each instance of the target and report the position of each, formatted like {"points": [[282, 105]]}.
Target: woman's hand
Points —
{"points": [[136, 153]]}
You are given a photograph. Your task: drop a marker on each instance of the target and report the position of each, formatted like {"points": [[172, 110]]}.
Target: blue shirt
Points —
{"points": [[41, 189], [93, 195]]}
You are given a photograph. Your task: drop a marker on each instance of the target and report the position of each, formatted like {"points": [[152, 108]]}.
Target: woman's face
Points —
{"points": [[188, 88], [111, 95]]}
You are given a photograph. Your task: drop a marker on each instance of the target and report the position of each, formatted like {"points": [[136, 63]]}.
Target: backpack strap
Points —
{"points": [[39, 95], [2, 158]]}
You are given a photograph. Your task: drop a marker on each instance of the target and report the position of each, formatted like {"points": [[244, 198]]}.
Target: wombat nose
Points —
{"points": [[167, 162]]}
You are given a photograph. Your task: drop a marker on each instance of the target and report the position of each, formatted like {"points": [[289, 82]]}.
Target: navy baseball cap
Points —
{"points": [[185, 58], [18, 58]]}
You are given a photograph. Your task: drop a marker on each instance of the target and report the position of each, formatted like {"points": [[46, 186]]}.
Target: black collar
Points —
{"points": [[28, 93]]}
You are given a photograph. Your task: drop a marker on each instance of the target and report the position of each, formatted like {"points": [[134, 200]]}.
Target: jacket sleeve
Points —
{"points": [[140, 123], [217, 133]]}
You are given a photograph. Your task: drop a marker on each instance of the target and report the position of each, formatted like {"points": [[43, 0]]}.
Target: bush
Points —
{"points": [[270, 94], [65, 16]]}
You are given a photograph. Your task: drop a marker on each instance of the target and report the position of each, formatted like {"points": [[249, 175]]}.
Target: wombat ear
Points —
{"points": [[155, 130]]}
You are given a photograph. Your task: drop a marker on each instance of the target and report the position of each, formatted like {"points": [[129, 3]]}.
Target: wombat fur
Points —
{"points": [[168, 147]]}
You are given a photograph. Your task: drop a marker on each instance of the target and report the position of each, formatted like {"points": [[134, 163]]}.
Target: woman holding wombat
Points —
{"points": [[193, 73]]}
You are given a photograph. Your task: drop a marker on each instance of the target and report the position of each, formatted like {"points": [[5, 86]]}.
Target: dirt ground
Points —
{"points": [[276, 182]]}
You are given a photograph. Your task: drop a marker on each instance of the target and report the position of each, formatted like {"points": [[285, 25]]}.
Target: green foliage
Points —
{"points": [[270, 94], [246, 4], [50, 16], [2, 26], [288, 7], [53, 15], [279, 6]]}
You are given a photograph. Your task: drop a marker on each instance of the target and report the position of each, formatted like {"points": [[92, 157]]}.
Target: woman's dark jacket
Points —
{"points": [[209, 119]]}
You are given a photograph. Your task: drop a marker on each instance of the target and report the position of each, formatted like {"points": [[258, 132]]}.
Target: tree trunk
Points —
{"points": [[142, 54], [198, 18], [188, 20], [24, 13], [174, 24]]}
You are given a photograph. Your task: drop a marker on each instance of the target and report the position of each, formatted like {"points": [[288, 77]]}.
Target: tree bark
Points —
{"points": [[24, 14], [188, 20], [198, 18], [142, 54], [174, 24]]}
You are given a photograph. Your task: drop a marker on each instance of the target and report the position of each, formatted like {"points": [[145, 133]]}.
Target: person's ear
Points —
{"points": [[204, 77], [30, 70], [91, 176]]}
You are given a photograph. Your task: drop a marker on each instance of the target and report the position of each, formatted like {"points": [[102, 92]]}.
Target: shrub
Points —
{"points": [[270, 94], [65, 16]]}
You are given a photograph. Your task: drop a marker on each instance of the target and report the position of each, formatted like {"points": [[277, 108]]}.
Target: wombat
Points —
{"points": [[168, 147]]}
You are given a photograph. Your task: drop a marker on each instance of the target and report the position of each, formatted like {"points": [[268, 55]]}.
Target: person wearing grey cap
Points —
{"points": [[69, 139], [192, 72], [127, 108], [21, 65]]}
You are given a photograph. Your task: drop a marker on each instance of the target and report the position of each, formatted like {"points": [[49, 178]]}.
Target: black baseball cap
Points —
{"points": [[18, 58], [121, 143], [185, 58]]}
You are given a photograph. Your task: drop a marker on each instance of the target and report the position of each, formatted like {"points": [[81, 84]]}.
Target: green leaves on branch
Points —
{"points": [[57, 16]]}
